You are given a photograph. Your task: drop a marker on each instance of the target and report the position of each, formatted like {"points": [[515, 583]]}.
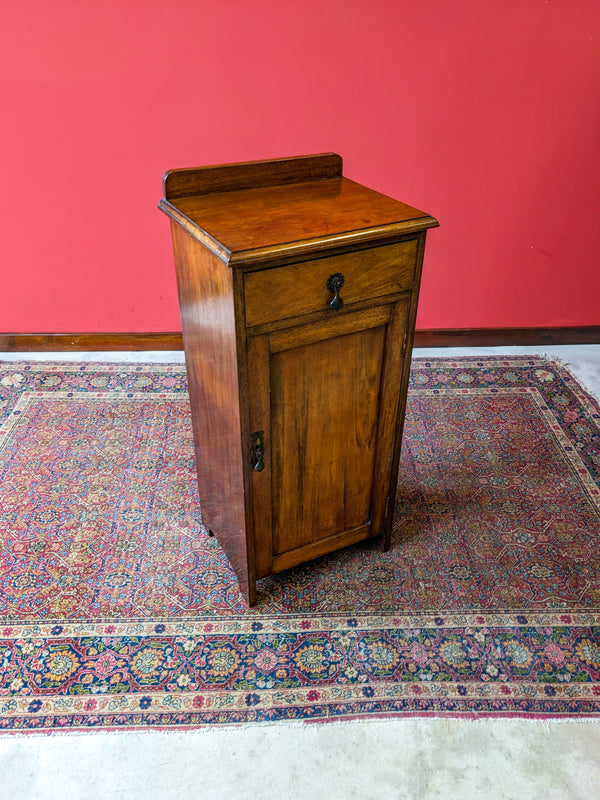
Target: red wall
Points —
{"points": [[484, 113]]}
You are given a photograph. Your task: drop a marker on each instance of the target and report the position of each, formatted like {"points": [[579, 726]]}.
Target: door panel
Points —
{"points": [[326, 398], [324, 411]]}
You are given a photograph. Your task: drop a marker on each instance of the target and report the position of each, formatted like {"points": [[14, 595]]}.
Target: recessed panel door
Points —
{"points": [[326, 404], [324, 417]]}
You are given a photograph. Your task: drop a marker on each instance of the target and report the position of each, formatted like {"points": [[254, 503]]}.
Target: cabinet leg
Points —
{"points": [[252, 594], [385, 541]]}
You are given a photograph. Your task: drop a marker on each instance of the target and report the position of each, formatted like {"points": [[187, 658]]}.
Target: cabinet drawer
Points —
{"points": [[291, 291]]}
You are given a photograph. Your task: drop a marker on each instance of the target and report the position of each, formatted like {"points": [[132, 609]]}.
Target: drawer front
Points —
{"points": [[291, 291]]}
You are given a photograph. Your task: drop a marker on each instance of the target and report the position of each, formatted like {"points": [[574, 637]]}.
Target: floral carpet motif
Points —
{"points": [[117, 610]]}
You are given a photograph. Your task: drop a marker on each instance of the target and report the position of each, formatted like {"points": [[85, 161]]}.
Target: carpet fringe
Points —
{"points": [[565, 365], [408, 721]]}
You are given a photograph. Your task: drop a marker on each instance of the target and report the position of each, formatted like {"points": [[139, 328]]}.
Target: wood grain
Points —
{"points": [[259, 483], [209, 331], [324, 442], [290, 291], [321, 547], [74, 342], [506, 337], [173, 340], [178, 183], [404, 318], [273, 216]]}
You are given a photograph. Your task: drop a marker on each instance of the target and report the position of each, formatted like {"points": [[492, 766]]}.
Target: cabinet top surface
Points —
{"points": [[267, 218]]}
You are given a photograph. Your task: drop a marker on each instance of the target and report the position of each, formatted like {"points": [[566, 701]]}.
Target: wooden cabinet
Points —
{"points": [[298, 293]]}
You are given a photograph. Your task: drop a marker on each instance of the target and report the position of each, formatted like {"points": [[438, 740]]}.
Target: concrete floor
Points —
{"points": [[416, 759]]}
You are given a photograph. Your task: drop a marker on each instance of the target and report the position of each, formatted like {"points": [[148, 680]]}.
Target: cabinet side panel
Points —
{"points": [[409, 332], [208, 322]]}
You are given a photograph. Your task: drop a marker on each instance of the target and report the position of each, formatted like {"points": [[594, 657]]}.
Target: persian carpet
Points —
{"points": [[117, 610]]}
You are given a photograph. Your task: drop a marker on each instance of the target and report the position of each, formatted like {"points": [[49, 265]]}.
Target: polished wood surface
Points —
{"points": [[267, 217], [505, 337], [74, 342], [304, 376], [322, 477], [290, 291], [173, 340], [205, 287], [180, 183], [298, 303]]}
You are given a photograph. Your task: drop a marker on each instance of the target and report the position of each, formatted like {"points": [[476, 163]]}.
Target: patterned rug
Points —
{"points": [[118, 611]]}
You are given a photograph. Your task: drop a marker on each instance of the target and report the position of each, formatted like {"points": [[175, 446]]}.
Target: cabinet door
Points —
{"points": [[324, 401]]}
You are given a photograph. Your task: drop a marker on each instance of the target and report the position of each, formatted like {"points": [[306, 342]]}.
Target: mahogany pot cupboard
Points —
{"points": [[298, 292]]}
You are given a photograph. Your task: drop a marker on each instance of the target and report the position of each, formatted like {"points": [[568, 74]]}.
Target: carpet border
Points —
{"points": [[580, 392]]}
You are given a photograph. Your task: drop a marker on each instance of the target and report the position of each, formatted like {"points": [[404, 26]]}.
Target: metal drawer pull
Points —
{"points": [[334, 284]]}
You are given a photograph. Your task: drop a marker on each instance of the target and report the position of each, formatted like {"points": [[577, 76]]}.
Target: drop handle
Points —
{"points": [[334, 284], [257, 451]]}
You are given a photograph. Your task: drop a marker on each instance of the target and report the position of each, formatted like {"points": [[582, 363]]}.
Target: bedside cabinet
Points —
{"points": [[298, 293]]}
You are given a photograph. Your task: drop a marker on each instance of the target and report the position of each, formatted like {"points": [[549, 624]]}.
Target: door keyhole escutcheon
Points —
{"points": [[257, 450]]}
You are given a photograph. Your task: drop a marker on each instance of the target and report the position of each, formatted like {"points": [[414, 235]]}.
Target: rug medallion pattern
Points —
{"points": [[118, 611]]}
